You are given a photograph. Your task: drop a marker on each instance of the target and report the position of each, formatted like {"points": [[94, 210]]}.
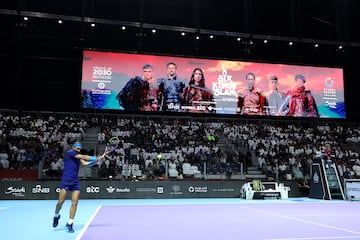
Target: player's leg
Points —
{"points": [[60, 202], [74, 202]]}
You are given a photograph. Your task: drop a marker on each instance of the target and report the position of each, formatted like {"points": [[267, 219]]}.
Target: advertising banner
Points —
{"points": [[143, 83], [128, 189]]}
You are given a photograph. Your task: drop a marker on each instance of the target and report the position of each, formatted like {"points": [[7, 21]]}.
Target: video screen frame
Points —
{"points": [[142, 83]]}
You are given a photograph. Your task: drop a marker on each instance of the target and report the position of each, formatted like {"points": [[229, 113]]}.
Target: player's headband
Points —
{"points": [[77, 145]]}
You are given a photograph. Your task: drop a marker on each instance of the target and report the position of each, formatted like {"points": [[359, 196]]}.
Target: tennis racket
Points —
{"points": [[111, 145]]}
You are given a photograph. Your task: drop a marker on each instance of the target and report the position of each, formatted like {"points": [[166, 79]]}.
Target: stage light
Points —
{"points": [[265, 41], [182, 33], [316, 45], [123, 28], [153, 30], [291, 43], [93, 25], [211, 36], [60, 21], [340, 49], [238, 39], [25, 18], [197, 38]]}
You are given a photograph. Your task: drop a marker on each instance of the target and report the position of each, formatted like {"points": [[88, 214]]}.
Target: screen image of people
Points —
{"points": [[152, 83], [169, 89], [197, 96], [135, 94], [274, 97], [252, 100], [299, 102]]}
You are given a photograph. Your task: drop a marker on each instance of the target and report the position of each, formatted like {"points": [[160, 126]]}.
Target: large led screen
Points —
{"points": [[143, 83]]}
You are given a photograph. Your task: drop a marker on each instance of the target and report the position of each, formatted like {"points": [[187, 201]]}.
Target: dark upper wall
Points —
{"points": [[41, 59]]}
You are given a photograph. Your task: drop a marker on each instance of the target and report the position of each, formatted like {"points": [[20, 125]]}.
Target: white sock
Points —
{"points": [[57, 215], [70, 221]]}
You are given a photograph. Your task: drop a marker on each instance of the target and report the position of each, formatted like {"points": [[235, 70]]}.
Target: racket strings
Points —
{"points": [[113, 144]]}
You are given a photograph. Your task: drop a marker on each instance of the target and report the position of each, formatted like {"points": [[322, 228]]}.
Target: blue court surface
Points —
{"points": [[175, 219]]}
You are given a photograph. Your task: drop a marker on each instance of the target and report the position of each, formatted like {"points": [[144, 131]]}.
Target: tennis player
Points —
{"points": [[71, 183]]}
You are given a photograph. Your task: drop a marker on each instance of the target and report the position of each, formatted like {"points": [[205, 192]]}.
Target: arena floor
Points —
{"points": [[175, 219]]}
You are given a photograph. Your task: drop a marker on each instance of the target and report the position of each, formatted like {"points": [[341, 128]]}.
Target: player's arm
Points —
{"points": [[87, 163], [84, 163], [84, 157], [87, 160]]}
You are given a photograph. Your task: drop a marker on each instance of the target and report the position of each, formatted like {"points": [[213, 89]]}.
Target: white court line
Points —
{"points": [[305, 221], [317, 238], [78, 237], [327, 215]]}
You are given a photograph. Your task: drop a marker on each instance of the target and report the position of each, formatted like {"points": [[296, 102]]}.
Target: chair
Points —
{"points": [[187, 169], [173, 172], [135, 170], [196, 171]]}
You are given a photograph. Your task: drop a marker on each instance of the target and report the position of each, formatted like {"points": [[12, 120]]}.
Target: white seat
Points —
{"points": [[197, 173], [195, 170], [187, 169], [173, 172], [135, 170]]}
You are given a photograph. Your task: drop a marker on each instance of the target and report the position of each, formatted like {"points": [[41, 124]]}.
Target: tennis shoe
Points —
{"points": [[56, 221], [70, 227]]}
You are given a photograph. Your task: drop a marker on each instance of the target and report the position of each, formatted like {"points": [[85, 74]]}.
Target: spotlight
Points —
{"points": [[60, 21], [93, 25], [265, 41], [340, 49], [153, 30], [291, 43], [182, 33], [238, 39], [197, 37], [123, 28], [316, 45], [211, 36], [25, 18]]}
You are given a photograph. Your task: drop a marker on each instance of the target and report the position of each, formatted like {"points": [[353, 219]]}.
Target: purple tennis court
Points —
{"points": [[255, 219], [206, 218]]}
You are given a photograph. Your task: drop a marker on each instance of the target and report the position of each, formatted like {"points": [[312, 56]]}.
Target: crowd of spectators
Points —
{"points": [[29, 140], [287, 150], [158, 147]]}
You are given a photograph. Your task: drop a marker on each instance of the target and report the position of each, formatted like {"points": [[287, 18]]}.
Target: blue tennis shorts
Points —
{"points": [[70, 185]]}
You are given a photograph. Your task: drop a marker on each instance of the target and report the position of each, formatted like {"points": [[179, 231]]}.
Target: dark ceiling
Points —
{"points": [[41, 59]]}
